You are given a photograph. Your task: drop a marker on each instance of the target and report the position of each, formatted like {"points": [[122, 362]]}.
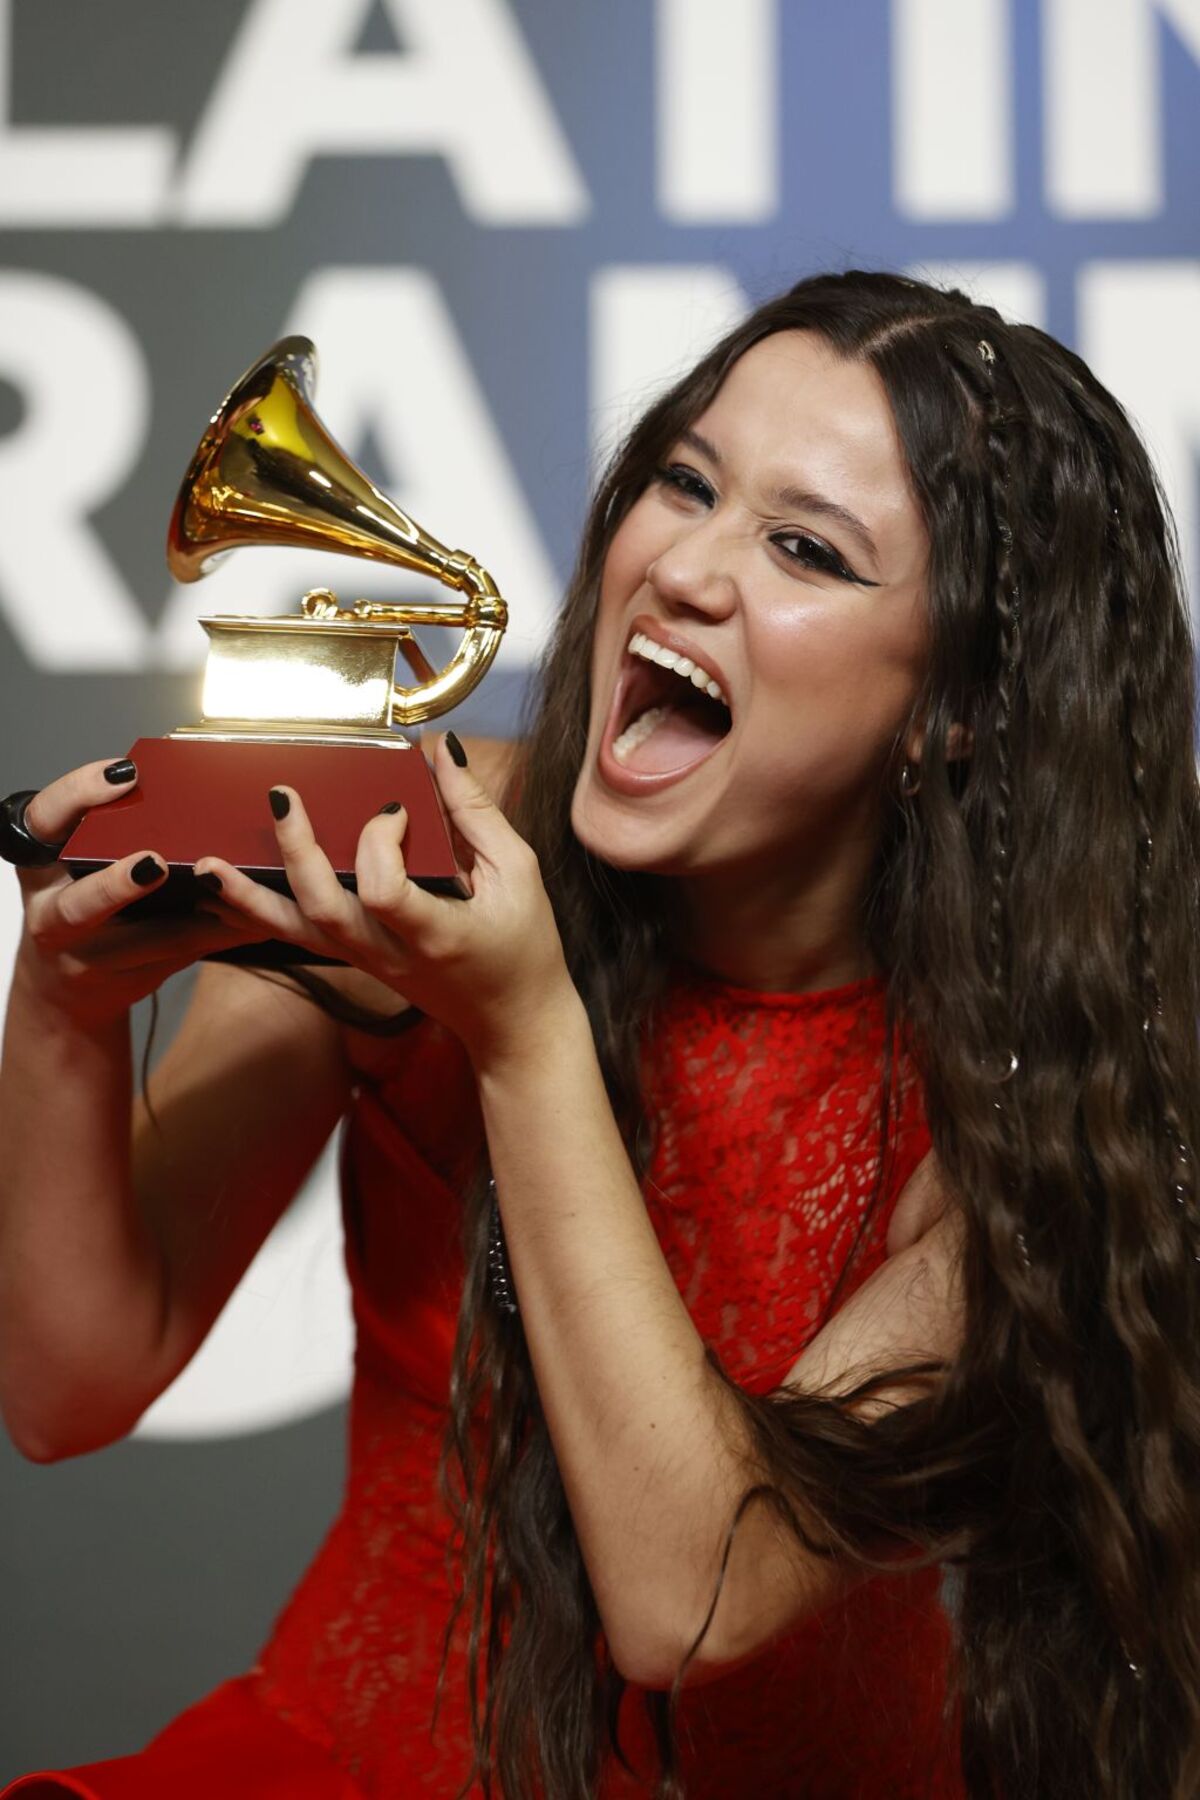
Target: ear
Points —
{"points": [[960, 741]]}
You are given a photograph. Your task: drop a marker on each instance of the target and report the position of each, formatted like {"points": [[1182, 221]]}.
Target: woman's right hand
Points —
{"points": [[79, 957]]}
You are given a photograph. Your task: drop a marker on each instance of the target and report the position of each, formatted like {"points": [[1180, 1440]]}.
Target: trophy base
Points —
{"points": [[207, 796]]}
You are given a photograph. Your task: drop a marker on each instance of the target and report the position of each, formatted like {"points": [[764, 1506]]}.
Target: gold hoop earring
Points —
{"points": [[909, 786]]}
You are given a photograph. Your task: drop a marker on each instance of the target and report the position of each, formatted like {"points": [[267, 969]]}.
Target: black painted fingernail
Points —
{"points": [[146, 871], [120, 771], [456, 750], [210, 880], [280, 803], [393, 806]]}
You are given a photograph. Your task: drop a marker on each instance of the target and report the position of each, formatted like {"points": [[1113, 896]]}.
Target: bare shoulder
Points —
{"points": [[237, 1019], [241, 996], [266, 1003], [361, 990], [910, 1309], [924, 1200]]}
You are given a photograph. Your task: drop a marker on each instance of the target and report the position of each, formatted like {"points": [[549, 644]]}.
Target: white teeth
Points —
{"points": [[641, 645], [638, 731]]}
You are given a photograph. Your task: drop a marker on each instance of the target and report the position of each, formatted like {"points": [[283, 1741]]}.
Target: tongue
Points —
{"points": [[681, 737]]}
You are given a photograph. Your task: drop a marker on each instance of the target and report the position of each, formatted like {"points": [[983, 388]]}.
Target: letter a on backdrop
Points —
{"points": [[465, 89]]}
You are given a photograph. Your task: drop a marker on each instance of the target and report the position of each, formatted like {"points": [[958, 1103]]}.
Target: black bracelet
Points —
{"points": [[17, 843], [498, 1275]]}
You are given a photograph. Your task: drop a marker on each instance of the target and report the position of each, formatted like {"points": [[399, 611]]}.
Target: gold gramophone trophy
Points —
{"points": [[311, 699]]}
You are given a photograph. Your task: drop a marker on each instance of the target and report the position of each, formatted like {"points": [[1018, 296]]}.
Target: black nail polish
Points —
{"points": [[120, 771], [456, 750], [280, 804], [393, 806], [210, 880], [146, 871]]}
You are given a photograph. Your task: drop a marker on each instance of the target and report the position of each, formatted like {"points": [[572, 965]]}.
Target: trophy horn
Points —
{"points": [[267, 472]]}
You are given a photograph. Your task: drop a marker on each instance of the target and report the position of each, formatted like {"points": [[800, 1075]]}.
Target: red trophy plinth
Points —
{"points": [[309, 701], [197, 799]]}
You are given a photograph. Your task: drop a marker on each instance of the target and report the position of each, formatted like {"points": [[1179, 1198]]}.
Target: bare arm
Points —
{"points": [[653, 1450], [118, 1248]]}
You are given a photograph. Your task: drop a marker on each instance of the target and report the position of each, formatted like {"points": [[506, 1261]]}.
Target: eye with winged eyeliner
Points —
{"points": [[812, 552]]}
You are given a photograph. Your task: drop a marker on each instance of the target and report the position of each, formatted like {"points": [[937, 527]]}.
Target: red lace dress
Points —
{"points": [[767, 1110]]}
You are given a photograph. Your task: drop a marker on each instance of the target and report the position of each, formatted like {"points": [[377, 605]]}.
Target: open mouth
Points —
{"points": [[668, 713]]}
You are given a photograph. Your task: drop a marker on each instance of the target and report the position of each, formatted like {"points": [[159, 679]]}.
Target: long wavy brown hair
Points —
{"points": [[1039, 897]]}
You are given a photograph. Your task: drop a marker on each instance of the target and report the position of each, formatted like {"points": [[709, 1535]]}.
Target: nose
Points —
{"points": [[693, 573]]}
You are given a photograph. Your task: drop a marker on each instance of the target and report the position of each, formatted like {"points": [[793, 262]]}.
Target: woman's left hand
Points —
{"points": [[490, 967]]}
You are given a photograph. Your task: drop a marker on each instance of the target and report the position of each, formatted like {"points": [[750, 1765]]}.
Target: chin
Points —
{"points": [[608, 830]]}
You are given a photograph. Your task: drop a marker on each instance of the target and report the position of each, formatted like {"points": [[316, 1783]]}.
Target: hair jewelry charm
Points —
{"points": [[498, 1274]]}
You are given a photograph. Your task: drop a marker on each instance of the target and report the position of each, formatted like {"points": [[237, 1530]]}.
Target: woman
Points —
{"points": [[906, 870]]}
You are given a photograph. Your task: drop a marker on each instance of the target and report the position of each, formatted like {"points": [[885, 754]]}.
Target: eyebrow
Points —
{"points": [[796, 499]]}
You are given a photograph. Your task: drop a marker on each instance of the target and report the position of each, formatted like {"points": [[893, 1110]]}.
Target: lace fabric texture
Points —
{"points": [[766, 1110]]}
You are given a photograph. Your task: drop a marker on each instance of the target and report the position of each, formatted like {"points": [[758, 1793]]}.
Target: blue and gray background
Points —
{"points": [[505, 223]]}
